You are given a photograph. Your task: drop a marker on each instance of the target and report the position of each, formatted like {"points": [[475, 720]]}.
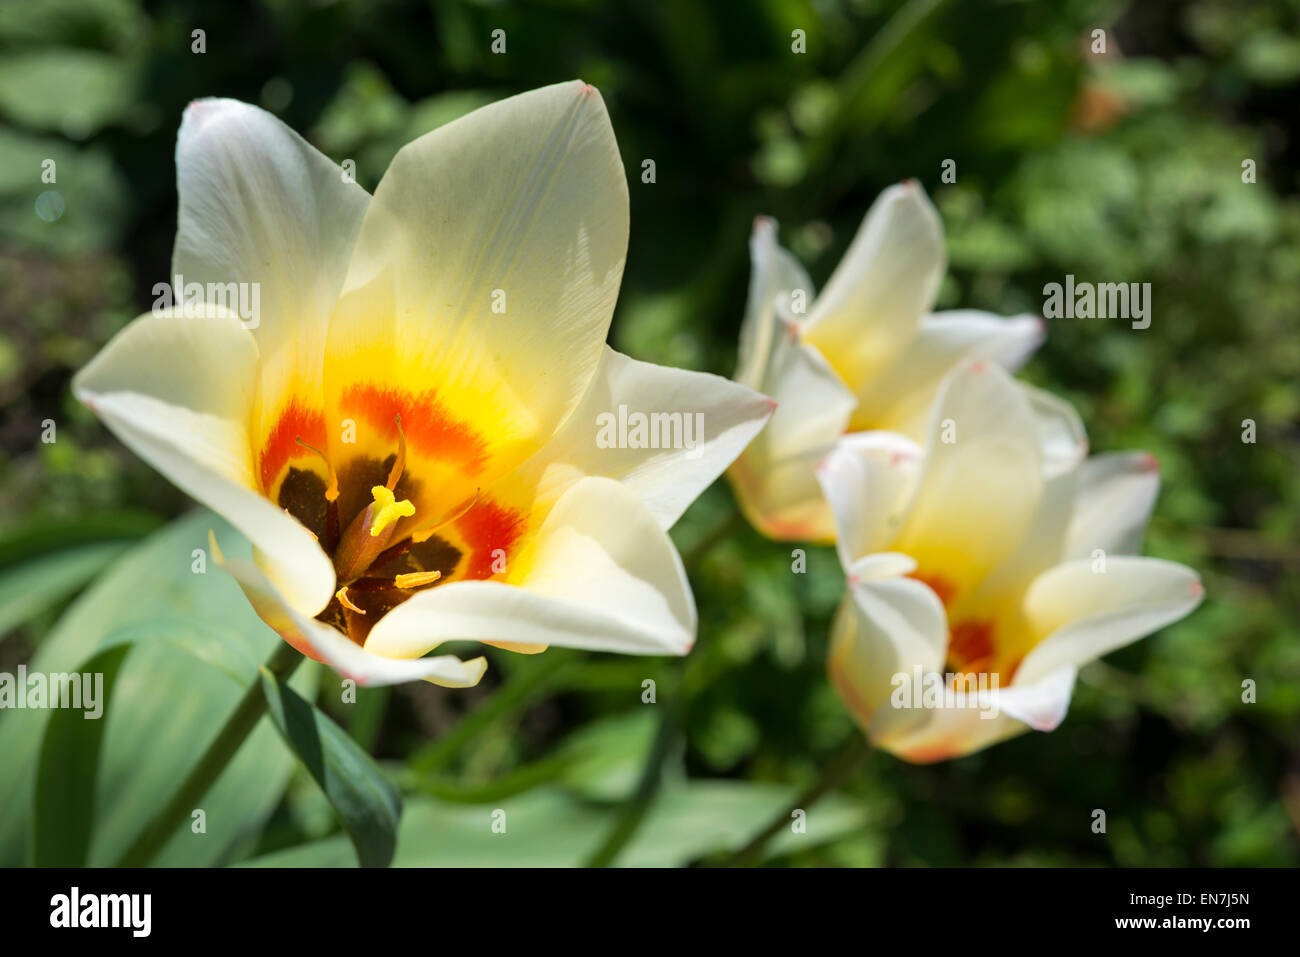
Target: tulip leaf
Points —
{"points": [[28, 589], [197, 645], [69, 767], [548, 827], [367, 805]]}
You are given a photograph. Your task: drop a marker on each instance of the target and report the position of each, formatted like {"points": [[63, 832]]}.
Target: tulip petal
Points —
{"points": [[178, 391], [1062, 439], [775, 278], [887, 281], [1041, 705], [1084, 614], [481, 289], [885, 627], [981, 485], [323, 643], [945, 733], [775, 478], [1116, 494], [664, 433], [899, 397], [868, 480], [600, 575], [259, 204]]}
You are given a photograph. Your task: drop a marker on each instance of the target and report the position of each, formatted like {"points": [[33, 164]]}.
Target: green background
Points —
{"points": [[1125, 166]]}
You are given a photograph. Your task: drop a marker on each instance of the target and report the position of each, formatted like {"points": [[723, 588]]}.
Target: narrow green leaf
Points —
{"points": [[68, 771], [367, 805], [27, 590], [44, 534]]}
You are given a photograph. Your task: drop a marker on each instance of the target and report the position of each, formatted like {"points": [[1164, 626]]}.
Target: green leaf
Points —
{"points": [[69, 767], [547, 827], [367, 805], [168, 703], [607, 755], [29, 589], [40, 536]]}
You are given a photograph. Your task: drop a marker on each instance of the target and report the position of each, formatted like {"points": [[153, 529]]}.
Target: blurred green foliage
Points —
{"points": [[1123, 166]]}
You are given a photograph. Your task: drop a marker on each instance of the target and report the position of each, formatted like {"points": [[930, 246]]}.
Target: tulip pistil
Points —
{"points": [[386, 509]]}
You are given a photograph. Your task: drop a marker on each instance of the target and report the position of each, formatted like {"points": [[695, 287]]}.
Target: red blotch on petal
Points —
{"points": [[430, 428], [485, 528], [296, 421]]}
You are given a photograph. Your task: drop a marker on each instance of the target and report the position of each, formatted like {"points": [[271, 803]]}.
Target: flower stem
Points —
{"points": [[836, 773], [634, 810], [241, 722]]}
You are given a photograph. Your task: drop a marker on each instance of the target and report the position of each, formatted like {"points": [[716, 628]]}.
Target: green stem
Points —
{"points": [[836, 773], [241, 722], [634, 810]]}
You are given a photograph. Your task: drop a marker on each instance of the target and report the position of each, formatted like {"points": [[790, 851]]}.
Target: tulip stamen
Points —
{"points": [[332, 530], [342, 596], [398, 466], [416, 579], [457, 513]]}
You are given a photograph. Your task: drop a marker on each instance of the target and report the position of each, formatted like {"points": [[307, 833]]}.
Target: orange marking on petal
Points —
{"points": [[485, 528], [945, 589], [971, 643], [428, 426], [296, 422]]}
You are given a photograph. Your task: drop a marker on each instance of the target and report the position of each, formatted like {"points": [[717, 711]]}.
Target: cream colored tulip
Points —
{"points": [[986, 553], [864, 355], [409, 434]]}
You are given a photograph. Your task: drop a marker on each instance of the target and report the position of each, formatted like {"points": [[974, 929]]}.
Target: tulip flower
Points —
{"points": [[408, 432], [988, 566], [864, 355]]}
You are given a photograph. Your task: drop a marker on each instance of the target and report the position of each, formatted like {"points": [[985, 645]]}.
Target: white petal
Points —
{"points": [[1043, 704], [320, 641], [945, 733], [1062, 445], [178, 391], [900, 395], [604, 577], [1117, 492], [259, 204], [981, 485], [886, 626], [698, 423], [887, 280], [1062, 440], [775, 276], [868, 480], [487, 269], [774, 477], [1084, 614]]}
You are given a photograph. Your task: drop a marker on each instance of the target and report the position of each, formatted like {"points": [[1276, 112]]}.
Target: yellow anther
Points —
{"points": [[342, 596], [416, 579], [387, 509]]}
